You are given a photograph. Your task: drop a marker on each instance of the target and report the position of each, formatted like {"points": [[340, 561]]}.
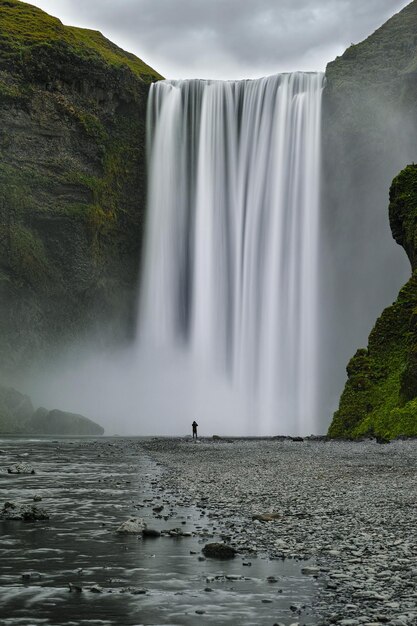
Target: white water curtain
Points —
{"points": [[231, 252]]}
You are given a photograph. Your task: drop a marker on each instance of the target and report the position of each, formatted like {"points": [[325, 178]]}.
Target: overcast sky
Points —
{"points": [[229, 38]]}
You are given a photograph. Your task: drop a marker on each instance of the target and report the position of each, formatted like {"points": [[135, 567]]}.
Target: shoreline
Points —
{"points": [[350, 506]]}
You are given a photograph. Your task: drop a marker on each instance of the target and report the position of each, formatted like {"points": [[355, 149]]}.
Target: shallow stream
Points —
{"points": [[89, 488]]}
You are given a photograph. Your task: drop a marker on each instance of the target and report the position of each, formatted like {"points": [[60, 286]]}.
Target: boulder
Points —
{"points": [[152, 533], [23, 512], [20, 468], [266, 517], [219, 551], [132, 526]]}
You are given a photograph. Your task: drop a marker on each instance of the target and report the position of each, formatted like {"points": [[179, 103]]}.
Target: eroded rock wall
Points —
{"points": [[72, 184], [380, 396]]}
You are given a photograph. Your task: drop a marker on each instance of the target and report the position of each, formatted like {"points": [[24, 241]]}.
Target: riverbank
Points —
{"points": [[63, 561], [350, 506]]}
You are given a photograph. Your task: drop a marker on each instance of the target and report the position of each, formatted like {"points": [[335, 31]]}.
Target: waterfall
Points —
{"points": [[230, 273]]}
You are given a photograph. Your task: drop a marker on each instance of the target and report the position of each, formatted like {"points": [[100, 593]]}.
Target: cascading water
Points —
{"points": [[231, 264]]}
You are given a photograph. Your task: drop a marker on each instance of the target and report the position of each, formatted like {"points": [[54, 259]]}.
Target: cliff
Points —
{"points": [[369, 135], [380, 396], [18, 417], [72, 183]]}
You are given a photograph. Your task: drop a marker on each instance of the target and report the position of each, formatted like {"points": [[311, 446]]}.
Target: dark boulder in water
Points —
{"points": [[23, 512], [21, 468], [152, 533], [219, 551]]}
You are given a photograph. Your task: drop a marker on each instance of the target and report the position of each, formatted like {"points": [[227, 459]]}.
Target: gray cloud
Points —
{"points": [[229, 38]]}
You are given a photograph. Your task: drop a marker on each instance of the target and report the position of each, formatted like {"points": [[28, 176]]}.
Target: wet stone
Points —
{"points": [[219, 551], [134, 525]]}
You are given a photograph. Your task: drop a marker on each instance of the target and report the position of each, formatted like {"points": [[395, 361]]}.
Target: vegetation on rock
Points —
{"points": [[380, 396], [369, 135], [28, 37], [72, 183]]}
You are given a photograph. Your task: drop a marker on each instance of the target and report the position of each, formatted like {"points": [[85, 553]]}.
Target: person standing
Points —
{"points": [[194, 427]]}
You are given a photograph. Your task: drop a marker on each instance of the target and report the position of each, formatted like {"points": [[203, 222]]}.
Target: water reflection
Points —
{"points": [[89, 488]]}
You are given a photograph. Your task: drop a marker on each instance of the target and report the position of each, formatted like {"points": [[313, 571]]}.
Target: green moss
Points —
{"points": [[400, 421], [389, 52], [25, 28], [380, 394], [27, 257], [403, 211], [10, 92]]}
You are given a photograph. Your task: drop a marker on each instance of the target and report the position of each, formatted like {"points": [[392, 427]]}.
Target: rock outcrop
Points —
{"points": [[380, 396], [72, 182], [15, 409], [369, 135], [55, 422], [17, 416]]}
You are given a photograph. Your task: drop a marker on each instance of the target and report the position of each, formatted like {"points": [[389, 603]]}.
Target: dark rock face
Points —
{"points": [[15, 409], [369, 135], [72, 183], [61, 423], [380, 396], [17, 416]]}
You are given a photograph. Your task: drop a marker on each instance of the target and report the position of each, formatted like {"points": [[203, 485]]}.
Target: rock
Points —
{"points": [[132, 526], [96, 589], [59, 276], [15, 410], [310, 571], [57, 422], [134, 591], [28, 576], [23, 512], [151, 533], [266, 517], [75, 587], [219, 551], [21, 468]]}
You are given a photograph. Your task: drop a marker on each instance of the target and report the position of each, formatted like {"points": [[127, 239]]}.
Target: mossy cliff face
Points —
{"points": [[380, 396], [72, 182], [369, 135]]}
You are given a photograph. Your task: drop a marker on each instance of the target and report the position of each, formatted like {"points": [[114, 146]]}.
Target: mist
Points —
{"points": [[144, 390], [362, 267], [139, 392]]}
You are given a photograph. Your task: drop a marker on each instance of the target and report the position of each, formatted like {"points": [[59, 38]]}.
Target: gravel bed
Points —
{"points": [[350, 506]]}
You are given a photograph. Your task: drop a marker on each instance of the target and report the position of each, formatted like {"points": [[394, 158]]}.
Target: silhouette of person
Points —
{"points": [[194, 427]]}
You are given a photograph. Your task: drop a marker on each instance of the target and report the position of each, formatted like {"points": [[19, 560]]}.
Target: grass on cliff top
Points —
{"points": [[23, 26], [390, 50]]}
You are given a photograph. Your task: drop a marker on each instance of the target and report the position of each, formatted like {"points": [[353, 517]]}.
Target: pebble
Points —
{"points": [[350, 507]]}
